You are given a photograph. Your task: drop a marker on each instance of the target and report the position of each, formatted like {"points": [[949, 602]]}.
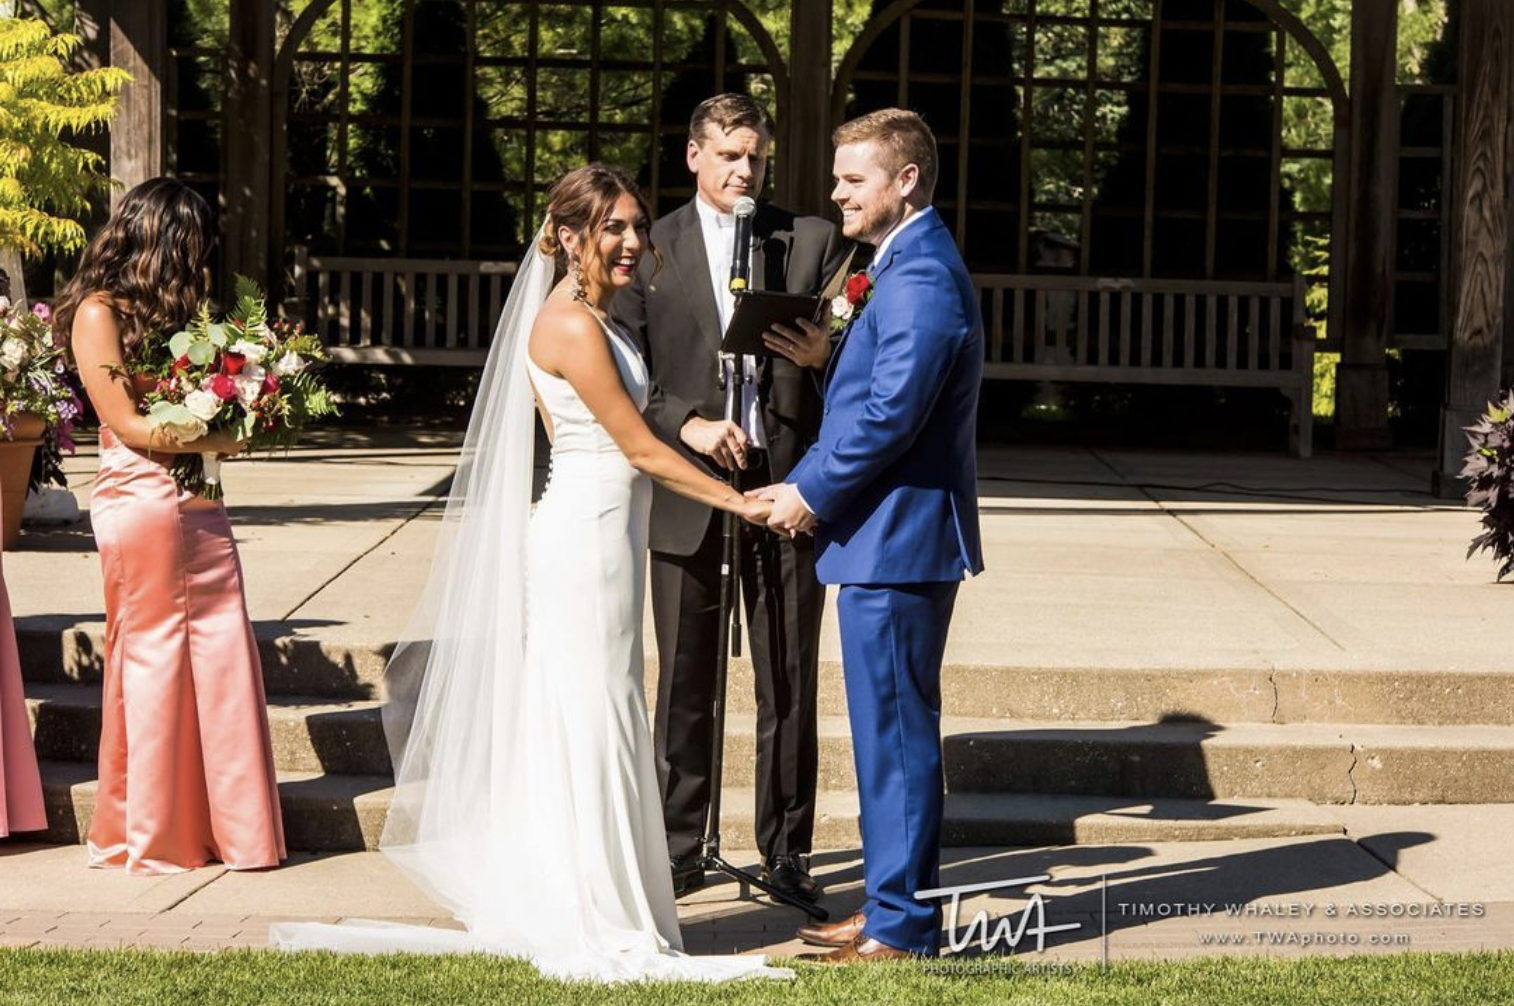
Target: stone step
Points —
{"points": [[321, 664], [1318, 763], [318, 663], [322, 813], [308, 734], [343, 813], [1414, 698], [1321, 763]]}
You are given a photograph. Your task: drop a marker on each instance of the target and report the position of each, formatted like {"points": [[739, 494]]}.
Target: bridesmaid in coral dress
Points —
{"points": [[186, 766], [21, 807]]}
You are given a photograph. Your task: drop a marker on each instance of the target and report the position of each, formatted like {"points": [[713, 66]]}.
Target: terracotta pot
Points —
{"points": [[15, 471]]}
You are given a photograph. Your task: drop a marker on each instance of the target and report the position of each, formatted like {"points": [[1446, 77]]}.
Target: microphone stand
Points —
{"points": [[728, 638]]}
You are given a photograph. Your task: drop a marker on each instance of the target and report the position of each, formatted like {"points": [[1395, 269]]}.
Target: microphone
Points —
{"points": [[741, 255]]}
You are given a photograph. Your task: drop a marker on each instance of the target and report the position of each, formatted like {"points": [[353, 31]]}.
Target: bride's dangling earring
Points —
{"points": [[579, 293]]}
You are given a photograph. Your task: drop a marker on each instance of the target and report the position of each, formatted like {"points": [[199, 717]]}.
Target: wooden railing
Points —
{"points": [[393, 310], [1153, 331]]}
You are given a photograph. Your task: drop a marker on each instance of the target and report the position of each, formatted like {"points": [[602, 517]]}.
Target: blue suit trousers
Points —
{"points": [[893, 638]]}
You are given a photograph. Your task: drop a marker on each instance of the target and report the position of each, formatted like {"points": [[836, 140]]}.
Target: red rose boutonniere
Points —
{"points": [[848, 304]]}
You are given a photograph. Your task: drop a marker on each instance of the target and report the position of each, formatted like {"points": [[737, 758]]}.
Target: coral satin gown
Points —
{"points": [[21, 807], [186, 765]]}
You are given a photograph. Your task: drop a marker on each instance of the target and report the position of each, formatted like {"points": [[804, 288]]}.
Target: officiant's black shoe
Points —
{"points": [[791, 875], [688, 875]]}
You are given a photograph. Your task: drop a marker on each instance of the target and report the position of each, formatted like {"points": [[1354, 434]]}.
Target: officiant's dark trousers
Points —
{"points": [[783, 603]]}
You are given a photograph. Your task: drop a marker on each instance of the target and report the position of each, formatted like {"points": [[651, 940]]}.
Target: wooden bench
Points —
{"points": [[1040, 328], [394, 310], [1154, 331]]}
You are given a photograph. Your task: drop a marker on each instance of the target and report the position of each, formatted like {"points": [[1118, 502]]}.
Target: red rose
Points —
{"points": [[857, 286], [270, 384], [232, 363], [224, 387], [182, 363]]}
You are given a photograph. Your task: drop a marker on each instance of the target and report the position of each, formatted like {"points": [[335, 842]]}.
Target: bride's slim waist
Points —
{"points": [[589, 454]]}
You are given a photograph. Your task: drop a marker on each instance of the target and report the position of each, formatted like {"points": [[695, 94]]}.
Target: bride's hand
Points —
{"points": [[755, 511]]}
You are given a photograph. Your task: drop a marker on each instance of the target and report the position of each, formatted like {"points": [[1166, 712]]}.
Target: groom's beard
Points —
{"points": [[872, 224]]}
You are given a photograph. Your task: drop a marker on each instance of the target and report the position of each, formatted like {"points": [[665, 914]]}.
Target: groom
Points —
{"points": [[890, 491]]}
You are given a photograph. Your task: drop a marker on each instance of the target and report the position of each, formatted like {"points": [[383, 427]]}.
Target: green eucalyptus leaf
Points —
{"points": [[201, 353], [179, 344], [169, 412]]}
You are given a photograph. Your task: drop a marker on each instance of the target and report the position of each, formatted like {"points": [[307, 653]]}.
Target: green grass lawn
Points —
{"points": [[264, 978]]}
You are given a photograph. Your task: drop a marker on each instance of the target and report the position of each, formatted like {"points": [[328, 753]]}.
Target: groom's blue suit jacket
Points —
{"points": [[893, 475]]}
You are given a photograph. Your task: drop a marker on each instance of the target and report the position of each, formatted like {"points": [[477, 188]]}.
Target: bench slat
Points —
{"points": [[1017, 335], [1232, 332], [1125, 311]]}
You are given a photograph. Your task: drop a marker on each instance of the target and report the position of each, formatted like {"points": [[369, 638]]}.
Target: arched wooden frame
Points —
{"points": [[1285, 22], [300, 31]]}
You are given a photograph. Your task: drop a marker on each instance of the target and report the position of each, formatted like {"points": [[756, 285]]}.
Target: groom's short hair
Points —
{"points": [[902, 138], [727, 112]]}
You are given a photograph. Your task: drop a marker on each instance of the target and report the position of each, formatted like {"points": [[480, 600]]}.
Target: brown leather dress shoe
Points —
{"points": [[832, 934], [862, 950]]}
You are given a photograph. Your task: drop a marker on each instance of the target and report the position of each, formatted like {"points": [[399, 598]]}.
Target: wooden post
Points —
{"points": [[138, 45], [1361, 416], [246, 194], [805, 132], [1481, 223]]}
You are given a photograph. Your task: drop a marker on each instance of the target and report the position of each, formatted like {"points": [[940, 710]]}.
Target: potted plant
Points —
{"points": [[39, 406], [1489, 472], [47, 183]]}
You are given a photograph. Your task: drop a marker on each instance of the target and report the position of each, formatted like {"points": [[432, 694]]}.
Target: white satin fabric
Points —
{"points": [[526, 799]]}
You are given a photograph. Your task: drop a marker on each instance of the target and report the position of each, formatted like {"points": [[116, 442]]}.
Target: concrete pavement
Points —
{"points": [[1125, 589]]}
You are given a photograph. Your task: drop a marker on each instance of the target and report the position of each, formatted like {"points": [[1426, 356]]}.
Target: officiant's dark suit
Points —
{"points": [[672, 311]]}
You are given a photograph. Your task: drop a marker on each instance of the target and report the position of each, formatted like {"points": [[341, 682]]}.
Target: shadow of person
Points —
{"points": [[1163, 766], [1186, 876]]}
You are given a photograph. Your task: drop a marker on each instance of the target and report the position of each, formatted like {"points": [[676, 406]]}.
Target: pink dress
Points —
{"points": [[21, 807], [186, 765]]}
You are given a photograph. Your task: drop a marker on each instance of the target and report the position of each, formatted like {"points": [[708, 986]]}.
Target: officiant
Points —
{"points": [[678, 313]]}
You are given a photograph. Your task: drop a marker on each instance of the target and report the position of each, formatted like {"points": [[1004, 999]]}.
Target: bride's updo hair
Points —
{"points": [[581, 201]]}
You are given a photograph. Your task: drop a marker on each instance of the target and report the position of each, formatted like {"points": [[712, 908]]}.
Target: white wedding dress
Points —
{"points": [[526, 797]]}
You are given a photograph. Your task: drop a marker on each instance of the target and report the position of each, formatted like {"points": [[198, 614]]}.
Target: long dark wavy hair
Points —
{"points": [[150, 262]]}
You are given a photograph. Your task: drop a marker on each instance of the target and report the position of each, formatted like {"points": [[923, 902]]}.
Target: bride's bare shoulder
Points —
{"points": [[564, 328]]}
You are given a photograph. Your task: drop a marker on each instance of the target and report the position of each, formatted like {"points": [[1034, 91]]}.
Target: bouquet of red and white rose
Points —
{"points": [[246, 376]]}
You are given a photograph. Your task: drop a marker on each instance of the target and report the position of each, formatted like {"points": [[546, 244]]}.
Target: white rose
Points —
{"points": [[203, 404], [250, 383], [254, 351], [5, 304], [12, 353], [841, 307], [288, 365], [185, 431]]}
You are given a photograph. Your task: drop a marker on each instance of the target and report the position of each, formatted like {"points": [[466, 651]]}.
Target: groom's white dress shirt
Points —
{"points": [[719, 230]]}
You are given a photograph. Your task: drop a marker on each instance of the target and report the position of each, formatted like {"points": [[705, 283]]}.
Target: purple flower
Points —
{"points": [[43, 311]]}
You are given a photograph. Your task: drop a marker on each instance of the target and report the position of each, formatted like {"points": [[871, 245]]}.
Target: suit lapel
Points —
{"points": [[903, 242], [693, 266]]}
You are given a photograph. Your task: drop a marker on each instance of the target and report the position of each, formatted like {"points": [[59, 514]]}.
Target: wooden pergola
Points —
{"points": [[1478, 332]]}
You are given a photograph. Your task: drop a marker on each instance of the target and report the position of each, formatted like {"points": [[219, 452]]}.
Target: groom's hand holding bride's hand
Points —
{"points": [[756, 511], [789, 515]]}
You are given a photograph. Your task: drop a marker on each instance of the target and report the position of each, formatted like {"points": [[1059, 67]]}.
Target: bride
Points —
{"points": [[526, 801]]}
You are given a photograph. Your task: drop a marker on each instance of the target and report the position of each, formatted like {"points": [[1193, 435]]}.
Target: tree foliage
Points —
{"points": [[46, 181]]}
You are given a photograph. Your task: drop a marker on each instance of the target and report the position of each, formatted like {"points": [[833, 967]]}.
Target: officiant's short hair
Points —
{"points": [[727, 112], [902, 137]]}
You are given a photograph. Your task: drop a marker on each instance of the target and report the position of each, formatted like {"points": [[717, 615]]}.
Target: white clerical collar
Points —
{"points": [[710, 216], [888, 238]]}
